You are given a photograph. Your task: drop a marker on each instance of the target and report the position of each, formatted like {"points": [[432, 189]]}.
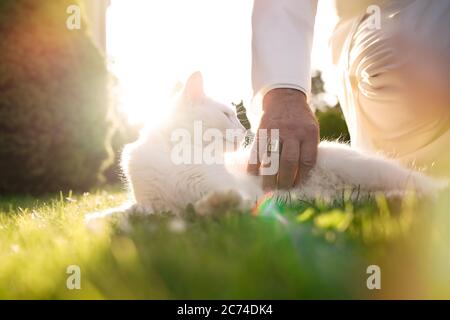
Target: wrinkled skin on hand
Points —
{"points": [[288, 111]]}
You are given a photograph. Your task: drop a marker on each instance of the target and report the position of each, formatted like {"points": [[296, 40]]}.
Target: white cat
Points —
{"points": [[158, 184]]}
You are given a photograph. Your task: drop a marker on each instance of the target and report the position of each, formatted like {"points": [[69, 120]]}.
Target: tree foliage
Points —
{"points": [[55, 128]]}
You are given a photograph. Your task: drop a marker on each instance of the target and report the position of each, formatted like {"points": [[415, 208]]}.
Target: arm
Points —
{"points": [[281, 75], [281, 44]]}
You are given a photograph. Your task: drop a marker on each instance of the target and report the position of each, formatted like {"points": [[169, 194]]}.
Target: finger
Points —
{"points": [[269, 162], [269, 182], [290, 155], [308, 158], [254, 162]]}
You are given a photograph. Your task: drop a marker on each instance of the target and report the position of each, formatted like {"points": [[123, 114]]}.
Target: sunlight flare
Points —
{"points": [[154, 44]]}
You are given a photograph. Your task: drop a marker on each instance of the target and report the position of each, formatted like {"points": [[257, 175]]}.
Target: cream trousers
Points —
{"points": [[394, 70]]}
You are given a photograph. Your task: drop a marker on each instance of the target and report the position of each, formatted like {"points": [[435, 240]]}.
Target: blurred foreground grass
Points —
{"points": [[301, 251]]}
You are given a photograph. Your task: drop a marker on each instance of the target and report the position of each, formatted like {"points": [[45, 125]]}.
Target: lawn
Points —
{"points": [[295, 251]]}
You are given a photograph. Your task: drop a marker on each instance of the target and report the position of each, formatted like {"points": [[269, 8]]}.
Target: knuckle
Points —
{"points": [[308, 161], [312, 128], [289, 164], [290, 158]]}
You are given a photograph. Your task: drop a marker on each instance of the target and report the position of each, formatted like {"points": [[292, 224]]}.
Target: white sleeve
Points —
{"points": [[281, 44]]}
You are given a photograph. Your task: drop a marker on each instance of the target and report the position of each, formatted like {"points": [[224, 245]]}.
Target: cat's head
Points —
{"points": [[194, 107]]}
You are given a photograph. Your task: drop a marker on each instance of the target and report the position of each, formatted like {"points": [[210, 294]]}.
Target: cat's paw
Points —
{"points": [[219, 202], [97, 221]]}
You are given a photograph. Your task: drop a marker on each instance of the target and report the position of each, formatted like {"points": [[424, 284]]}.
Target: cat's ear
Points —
{"points": [[193, 89]]}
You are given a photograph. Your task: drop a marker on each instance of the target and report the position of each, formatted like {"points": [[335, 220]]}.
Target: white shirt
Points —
{"points": [[282, 41]]}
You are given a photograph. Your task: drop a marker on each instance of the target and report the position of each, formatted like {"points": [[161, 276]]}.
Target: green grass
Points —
{"points": [[295, 252]]}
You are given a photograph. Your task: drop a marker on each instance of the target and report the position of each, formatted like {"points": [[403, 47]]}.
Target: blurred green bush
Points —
{"points": [[55, 114], [332, 124], [330, 117]]}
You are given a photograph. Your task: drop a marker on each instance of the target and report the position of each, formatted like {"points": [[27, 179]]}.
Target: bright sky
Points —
{"points": [[155, 43]]}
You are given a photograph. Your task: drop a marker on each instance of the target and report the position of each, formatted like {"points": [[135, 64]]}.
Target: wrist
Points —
{"points": [[284, 97]]}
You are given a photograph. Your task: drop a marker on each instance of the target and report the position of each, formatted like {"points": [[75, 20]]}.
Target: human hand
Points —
{"points": [[288, 111]]}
